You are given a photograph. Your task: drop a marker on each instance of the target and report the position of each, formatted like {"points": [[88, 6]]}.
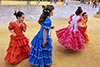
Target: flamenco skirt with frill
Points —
{"points": [[87, 38], [18, 49], [67, 38], [40, 56]]}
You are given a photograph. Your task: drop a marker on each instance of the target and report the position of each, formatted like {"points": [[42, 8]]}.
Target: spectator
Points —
{"points": [[94, 4]]}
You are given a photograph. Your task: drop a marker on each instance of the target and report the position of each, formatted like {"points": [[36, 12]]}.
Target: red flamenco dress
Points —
{"points": [[72, 36], [18, 48]]}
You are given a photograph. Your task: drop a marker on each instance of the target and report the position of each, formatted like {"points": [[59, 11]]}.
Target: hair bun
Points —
{"points": [[15, 13]]}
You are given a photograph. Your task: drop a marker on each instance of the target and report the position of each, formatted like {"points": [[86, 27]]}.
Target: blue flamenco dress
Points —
{"points": [[41, 56]]}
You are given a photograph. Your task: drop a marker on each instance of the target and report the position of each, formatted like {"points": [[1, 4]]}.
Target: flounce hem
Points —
{"points": [[18, 50], [37, 43], [38, 55], [73, 40], [41, 54], [11, 58], [19, 41], [87, 38], [41, 65], [40, 62]]}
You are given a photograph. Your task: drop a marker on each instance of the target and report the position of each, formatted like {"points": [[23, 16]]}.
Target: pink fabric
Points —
{"points": [[80, 20], [71, 18], [75, 41]]}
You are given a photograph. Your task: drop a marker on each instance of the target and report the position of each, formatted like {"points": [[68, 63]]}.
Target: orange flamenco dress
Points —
{"points": [[18, 47], [84, 23]]}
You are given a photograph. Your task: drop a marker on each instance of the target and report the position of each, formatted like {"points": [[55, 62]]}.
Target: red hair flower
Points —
{"points": [[79, 6], [18, 10]]}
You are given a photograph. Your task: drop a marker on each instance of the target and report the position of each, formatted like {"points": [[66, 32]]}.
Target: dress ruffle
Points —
{"points": [[47, 23], [18, 49], [87, 38], [73, 40], [40, 56], [20, 40]]}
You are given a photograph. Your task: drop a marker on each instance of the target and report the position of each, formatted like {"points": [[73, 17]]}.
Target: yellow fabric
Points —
{"points": [[84, 23]]}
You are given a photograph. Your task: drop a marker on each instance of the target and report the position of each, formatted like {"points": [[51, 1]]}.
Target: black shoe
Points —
{"points": [[46, 66]]}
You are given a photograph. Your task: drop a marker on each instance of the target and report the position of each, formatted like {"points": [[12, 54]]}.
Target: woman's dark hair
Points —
{"points": [[18, 14], [78, 11], [45, 13], [83, 13]]}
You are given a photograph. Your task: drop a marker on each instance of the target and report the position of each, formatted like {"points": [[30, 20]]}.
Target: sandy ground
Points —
{"points": [[62, 57]]}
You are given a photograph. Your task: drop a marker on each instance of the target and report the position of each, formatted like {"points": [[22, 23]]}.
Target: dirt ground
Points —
{"points": [[62, 57]]}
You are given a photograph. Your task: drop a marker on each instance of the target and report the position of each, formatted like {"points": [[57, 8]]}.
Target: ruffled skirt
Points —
{"points": [[68, 38], [18, 49], [40, 56], [87, 38]]}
